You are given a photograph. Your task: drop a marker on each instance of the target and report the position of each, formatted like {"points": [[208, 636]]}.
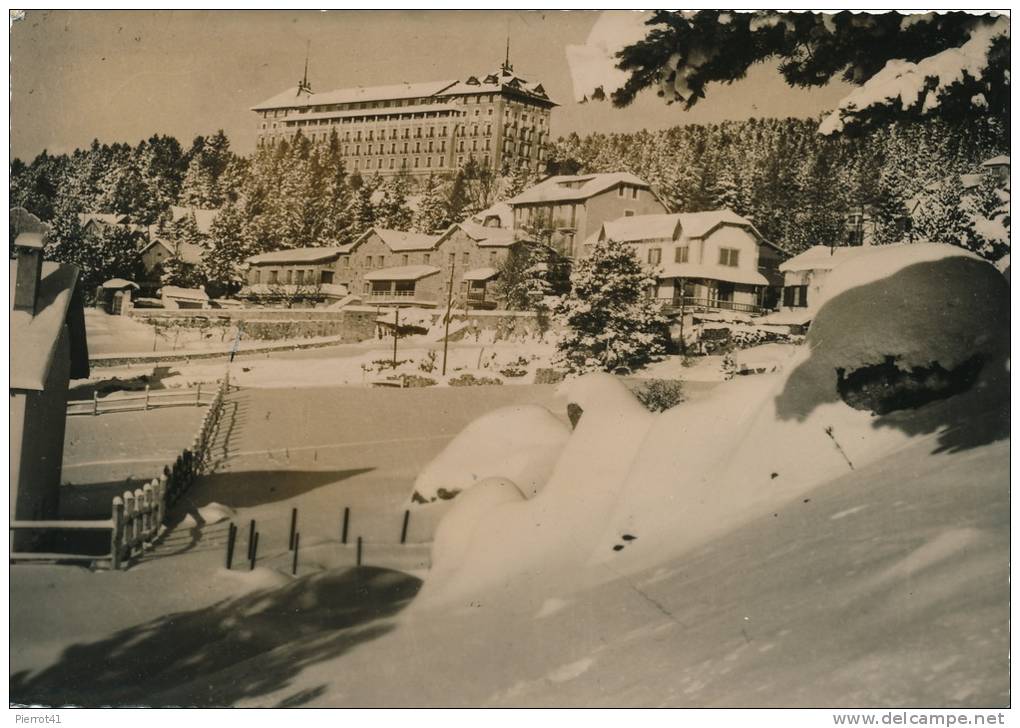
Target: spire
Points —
{"points": [[303, 85], [507, 68]]}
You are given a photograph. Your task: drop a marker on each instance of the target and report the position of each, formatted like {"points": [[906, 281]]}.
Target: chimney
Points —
{"points": [[29, 248]]}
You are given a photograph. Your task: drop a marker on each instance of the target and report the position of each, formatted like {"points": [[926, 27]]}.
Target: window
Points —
{"points": [[633, 193], [628, 213], [289, 278], [493, 257], [425, 258], [299, 277], [795, 297], [273, 276], [729, 257], [621, 191], [683, 254], [654, 256], [256, 276], [466, 257], [404, 259], [452, 258]]}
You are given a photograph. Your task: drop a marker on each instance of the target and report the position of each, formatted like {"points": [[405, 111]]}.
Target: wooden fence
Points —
{"points": [[146, 400], [136, 518]]}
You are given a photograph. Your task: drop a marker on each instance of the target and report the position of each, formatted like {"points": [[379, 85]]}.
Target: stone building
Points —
{"points": [[497, 119]]}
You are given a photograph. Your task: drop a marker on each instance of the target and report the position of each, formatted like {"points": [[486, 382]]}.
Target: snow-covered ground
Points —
{"points": [[765, 544]]}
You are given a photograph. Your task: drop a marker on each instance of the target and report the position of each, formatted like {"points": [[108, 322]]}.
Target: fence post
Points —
{"points": [[147, 518], [251, 539], [139, 520], [403, 531], [254, 553], [359, 551], [231, 540], [297, 545], [129, 523], [198, 395], [293, 529], [95, 403], [347, 518], [117, 533], [146, 397], [161, 500]]}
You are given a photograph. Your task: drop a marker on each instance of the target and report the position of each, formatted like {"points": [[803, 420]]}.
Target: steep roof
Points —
{"points": [[673, 226], [106, 218], [190, 253], [501, 211], [298, 255], [564, 187], [34, 336], [203, 218], [821, 257], [500, 80], [357, 94], [486, 237], [399, 241], [999, 161]]}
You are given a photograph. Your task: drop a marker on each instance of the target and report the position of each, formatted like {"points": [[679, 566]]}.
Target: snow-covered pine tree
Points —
{"points": [[432, 213], [609, 322]]}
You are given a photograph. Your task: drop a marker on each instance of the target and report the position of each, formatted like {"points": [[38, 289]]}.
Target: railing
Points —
{"points": [[391, 294], [136, 520], [710, 304], [141, 402]]}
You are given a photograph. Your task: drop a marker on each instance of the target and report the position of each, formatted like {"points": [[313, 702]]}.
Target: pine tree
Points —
{"points": [[609, 321], [432, 213]]}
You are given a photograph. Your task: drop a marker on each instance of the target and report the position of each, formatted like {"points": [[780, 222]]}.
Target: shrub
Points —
{"points": [[549, 376], [470, 380], [659, 395], [412, 380], [516, 368]]}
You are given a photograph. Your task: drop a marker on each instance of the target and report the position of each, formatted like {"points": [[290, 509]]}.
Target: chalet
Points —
{"points": [[295, 275], [803, 278], [48, 349], [702, 260], [567, 209], [154, 255]]}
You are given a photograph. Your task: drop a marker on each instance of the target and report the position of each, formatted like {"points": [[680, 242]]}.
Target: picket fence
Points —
{"points": [[137, 517]]}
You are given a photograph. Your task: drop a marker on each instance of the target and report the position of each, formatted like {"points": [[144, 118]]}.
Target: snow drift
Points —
{"points": [[521, 443], [631, 489]]}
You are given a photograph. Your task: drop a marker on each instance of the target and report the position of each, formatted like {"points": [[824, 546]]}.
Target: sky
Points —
{"points": [[122, 76]]}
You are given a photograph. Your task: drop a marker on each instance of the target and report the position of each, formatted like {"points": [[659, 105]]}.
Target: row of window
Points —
{"points": [[729, 257], [416, 163]]}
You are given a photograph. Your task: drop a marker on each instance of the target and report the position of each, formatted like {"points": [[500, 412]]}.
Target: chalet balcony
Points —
{"points": [[691, 304]]}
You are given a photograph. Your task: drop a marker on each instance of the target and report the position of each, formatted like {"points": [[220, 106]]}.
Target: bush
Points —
{"points": [[412, 380], [659, 395], [515, 369], [470, 380], [549, 376]]}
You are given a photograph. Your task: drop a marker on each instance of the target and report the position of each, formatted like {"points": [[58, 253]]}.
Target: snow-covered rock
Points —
{"points": [[521, 443]]}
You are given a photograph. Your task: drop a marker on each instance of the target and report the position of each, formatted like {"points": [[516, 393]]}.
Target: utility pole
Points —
{"points": [[449, 305], [396, 328]]}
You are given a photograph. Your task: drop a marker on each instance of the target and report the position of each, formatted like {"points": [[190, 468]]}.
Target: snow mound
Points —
{"points": [[521, 443], [921, 304], [455, 532], [633, 489]]}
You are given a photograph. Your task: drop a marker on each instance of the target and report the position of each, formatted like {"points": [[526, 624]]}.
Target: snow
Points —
{"points": [[902, 83], [632, 488], [924, 303], [521, 443], [209, 515]]}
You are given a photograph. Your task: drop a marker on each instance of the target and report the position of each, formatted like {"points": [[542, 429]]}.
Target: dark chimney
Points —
{"points": [[29, 247]]}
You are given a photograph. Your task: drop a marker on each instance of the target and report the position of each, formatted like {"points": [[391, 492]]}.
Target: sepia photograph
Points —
{"points": [[511, 359]]}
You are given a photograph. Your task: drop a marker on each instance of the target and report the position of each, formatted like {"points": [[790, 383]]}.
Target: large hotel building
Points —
{"points": [[498, 119]]}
